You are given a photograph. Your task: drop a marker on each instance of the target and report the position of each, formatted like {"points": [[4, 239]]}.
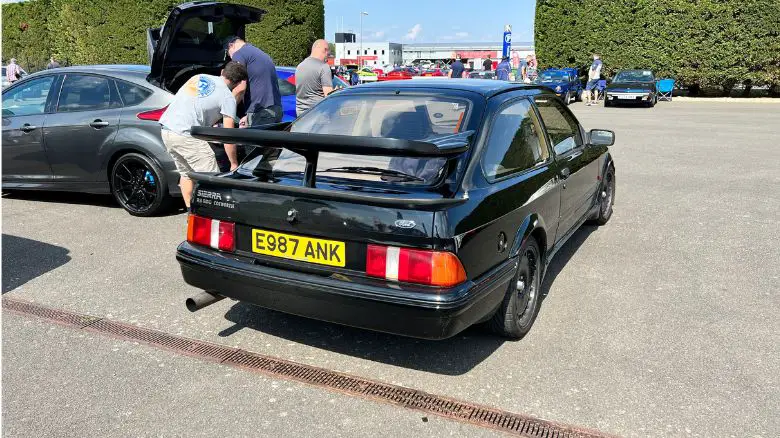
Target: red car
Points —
{"points": [[435, 72], [398, 74]]}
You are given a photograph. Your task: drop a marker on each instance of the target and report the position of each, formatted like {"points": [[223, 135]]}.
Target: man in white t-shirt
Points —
{"points": [[203, 101]]}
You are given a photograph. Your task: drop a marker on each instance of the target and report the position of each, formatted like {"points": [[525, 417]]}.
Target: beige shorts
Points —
{"points": [[189, 154]]}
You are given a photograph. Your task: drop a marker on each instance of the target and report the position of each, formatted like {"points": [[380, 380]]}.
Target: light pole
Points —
{"points": [[360, 63]]}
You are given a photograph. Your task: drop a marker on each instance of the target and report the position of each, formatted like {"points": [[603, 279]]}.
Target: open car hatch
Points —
{"points": [[193, 40]]}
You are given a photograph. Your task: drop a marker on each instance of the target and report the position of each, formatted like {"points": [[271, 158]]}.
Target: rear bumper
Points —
{"points": [[358, 304]]}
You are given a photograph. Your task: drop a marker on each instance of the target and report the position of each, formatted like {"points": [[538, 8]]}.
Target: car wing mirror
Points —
{"points": [[601, 137]]}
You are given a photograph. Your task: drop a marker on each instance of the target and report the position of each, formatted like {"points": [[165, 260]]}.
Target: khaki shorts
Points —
{"points": [[189, 154]]}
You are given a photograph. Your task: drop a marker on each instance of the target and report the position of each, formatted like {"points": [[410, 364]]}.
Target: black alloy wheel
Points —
{"points": [[522, 301], [138, 185], [606, 197]]}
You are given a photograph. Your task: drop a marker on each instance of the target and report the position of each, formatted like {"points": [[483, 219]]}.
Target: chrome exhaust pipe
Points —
{"points": [[202, 300]]}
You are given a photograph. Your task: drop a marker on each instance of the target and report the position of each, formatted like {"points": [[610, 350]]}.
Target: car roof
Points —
{"points": [[131, 72], [635, 69], [485, 87], [285, 69]]}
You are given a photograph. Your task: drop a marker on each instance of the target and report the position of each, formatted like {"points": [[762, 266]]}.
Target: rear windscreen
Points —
{"points": [[406, 118]]}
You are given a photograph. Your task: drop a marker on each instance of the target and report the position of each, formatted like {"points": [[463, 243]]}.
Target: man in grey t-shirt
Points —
{"points": [[313, 80], [203, 101]]}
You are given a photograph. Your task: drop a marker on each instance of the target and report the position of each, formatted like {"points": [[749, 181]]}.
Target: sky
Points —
{"points": [[432, 21]]}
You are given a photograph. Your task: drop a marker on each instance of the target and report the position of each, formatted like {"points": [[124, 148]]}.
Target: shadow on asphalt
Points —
{"points": [[25, 260], [107, 201], [454, 356], [62, 197], [563, 256]]}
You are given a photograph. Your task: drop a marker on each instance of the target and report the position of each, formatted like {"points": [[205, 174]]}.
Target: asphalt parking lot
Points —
{"points": [[662, 323]]}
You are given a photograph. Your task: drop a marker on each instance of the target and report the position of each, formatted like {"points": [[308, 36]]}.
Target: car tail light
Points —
{"points": [[215, 233], [291, 79], [435, 268], [153, 115]]}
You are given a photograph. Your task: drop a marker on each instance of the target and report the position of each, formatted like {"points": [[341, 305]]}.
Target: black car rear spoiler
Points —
{"points": [[310, 146]]}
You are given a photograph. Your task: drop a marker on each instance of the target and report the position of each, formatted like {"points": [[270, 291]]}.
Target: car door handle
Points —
{"points": [[28, 128], [565, 172], [98, 124]]}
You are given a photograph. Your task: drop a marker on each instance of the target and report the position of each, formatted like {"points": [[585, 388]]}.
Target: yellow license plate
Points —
{"points": [[307, 249]]}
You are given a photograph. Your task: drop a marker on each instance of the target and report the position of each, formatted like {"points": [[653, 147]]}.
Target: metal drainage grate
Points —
{"points": [[59, 316], [483, 416], [178, 344]]}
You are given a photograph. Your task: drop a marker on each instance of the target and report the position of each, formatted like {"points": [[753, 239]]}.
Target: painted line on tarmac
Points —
{"points": [[446, 407]]}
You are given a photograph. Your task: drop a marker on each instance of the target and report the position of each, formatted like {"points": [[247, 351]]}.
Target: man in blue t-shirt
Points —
{"points": [[262, 101], [503, 69], [457, 69]]}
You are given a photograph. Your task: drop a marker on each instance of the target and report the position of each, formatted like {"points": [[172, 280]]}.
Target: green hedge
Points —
{"points": [[703, 43], [114, 31]]}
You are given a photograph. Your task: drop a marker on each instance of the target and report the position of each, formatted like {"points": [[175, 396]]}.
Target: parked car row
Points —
{"points": [[628, 86]]}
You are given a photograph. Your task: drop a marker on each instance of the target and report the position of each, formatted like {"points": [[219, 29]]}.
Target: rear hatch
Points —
{"points": [[193, 41], [348, 192]]}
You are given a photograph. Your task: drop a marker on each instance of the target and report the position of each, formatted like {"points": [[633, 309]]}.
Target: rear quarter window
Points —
{"points": [[132, 94], [514, 142], [285, 87]]}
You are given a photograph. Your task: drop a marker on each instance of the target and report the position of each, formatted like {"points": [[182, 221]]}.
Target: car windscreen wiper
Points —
{"points": [[374, 171]]}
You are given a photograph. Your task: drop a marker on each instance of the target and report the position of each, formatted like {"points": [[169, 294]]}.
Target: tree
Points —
{"points": [[114, 31], [706, 43]]}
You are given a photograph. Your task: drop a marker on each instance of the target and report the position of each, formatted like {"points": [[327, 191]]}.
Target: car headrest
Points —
{"points": [[409, 125]]}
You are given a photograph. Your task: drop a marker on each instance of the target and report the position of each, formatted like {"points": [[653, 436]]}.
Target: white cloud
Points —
{"points": [[461, 34], [378, 35], [413, 32]]}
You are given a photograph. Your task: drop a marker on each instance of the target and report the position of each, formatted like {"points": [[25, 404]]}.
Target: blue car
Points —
{"points": [[286, 78], [564, 82]]}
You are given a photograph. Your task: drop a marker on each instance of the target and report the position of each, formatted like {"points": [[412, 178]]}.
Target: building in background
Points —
{"points": [[473, 53], [380, 54], [374, 54]]}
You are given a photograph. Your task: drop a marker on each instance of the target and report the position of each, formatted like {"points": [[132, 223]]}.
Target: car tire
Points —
{"points": [[567, 98], [578, 96], [606, 103], [651, 103], [139, 185], [522, 301], [606, 196]]}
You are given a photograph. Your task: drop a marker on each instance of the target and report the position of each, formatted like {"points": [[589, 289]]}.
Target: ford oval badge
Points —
{"points": [[404, 223]]}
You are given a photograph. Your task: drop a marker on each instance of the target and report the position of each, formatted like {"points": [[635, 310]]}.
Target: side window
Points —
{"points": [[84, 93], [27, 99], [132, 94], [285, 87], [514, 143], [563, 128]]}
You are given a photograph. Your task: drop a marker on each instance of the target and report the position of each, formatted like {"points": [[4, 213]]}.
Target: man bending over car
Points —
{"points": [[203, 101]]}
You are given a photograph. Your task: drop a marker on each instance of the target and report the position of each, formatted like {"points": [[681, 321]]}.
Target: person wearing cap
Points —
{"points": [[262, 102], [503, 68]]}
